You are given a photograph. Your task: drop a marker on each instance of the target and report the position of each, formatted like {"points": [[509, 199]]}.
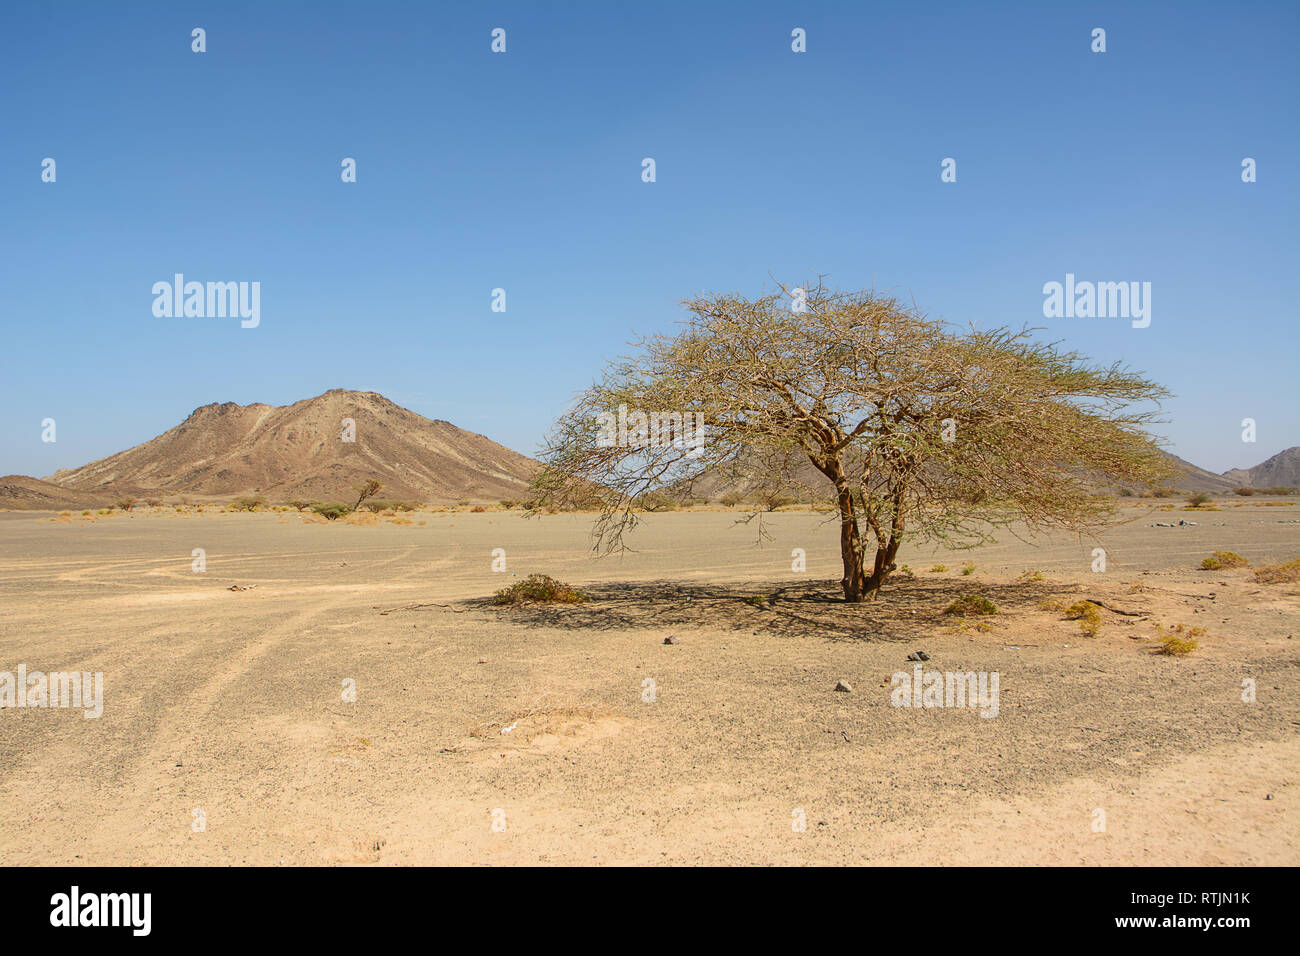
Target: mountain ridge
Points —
{"points": [[224, 449]]}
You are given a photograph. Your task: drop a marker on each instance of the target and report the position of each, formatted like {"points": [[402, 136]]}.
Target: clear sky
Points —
{"points": [[523, 170]]}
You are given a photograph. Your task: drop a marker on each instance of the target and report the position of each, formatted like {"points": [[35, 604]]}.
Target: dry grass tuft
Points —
{"points": [[1286, 573], [1224, 559]]}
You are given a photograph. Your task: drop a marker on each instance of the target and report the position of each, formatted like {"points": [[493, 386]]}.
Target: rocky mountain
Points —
{"points": [[318, 448], [1282, 469]]}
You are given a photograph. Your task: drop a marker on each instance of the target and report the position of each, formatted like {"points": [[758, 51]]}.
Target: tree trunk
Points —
{"points": [[880, 571], [854, 581], [886, 551]]}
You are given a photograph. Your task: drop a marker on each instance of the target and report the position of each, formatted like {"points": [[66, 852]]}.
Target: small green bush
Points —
{"points": [[248, 503], [539, 588], [1087, 614], [971, 605], [331, 510]]}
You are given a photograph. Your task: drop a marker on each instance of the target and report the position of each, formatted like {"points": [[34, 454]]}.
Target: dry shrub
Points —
{"points": [[1179, 642], [1224, 559], [971, 605], [1087, 614], [1286, 573], [539, 588]]}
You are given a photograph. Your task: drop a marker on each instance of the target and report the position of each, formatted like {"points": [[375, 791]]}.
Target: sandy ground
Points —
{"points": [[483, 735]]}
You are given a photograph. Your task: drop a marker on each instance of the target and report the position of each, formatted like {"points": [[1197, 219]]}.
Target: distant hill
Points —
{"points": [[1198, 479], [20, 491], [298, 451], [1282, 469]]}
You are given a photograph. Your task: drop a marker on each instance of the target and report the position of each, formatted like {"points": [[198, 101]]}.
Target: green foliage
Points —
{"points": [[539, 588], [248, 503], [971, 605], [331, 510], [1087, 614]]}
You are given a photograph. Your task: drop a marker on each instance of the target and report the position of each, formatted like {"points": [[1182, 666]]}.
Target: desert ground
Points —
{"points": [[482, 734]]}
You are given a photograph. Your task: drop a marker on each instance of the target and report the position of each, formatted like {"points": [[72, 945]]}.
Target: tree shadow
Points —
{"points": [[806, 609]]}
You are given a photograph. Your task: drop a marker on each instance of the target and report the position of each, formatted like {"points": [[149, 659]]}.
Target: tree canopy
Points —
{"points": [[916, 430]]}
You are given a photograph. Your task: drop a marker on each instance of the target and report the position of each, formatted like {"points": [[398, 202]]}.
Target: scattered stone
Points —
{"points": [[844, 687], [918, 656], [670, 639]]}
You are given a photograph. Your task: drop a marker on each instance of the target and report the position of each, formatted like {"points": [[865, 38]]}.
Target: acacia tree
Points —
{"points": [[918, 431], [367, 489]]}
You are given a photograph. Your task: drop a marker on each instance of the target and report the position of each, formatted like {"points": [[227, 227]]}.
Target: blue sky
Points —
{"points": [[523, 171]]}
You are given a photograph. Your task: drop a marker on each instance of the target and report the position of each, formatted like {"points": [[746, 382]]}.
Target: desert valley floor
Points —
{"points": [[482, 734]]}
